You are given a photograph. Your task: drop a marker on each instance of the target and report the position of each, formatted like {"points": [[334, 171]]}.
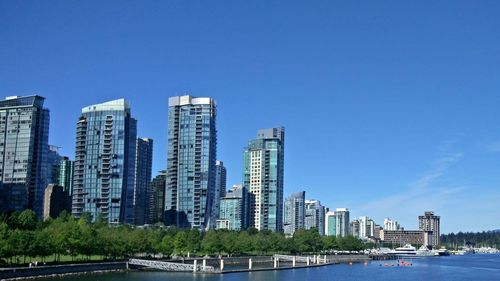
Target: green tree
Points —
{"points": [[167, 245], [27, 220], [180, 243], [212, 243]]}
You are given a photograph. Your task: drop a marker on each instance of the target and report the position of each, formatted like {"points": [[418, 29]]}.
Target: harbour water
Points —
{"points": [[467, 267]]}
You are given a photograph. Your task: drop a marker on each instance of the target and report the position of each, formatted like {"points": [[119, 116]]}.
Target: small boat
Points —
{"points": [[423, 251], [441, 252]]}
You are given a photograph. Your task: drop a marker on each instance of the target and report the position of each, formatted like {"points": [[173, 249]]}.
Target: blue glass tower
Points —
{"points": [[104, 169], [192, 142], [24, 167]]}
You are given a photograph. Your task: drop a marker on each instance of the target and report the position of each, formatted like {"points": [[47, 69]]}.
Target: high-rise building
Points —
{"points": [[263, 167], [157, 198], [232, 209], [430, 225], [315, 216], [294, 211], [391, 224], [66, 174], [104, 171], [192, 148], [355, 228], [342, 222], [220, 188], [53, 164], [143, 164], [366, 227], [24, 133], [330, 224]]}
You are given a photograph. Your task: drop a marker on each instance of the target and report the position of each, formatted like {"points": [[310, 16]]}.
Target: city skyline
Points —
{"points": [[374, 121]]}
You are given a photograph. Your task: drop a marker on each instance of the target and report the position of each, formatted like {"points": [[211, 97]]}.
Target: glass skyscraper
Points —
{"points": [[24, 168], [66, 174], [263, 166], [104, 169], [192, 148], [143, 164]]}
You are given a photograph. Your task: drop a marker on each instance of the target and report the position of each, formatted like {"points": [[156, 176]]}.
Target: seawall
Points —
{"points": [[56, 270]]}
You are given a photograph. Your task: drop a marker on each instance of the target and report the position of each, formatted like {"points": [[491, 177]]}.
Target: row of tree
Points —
{"points": [[475, 239], [23, 236]]}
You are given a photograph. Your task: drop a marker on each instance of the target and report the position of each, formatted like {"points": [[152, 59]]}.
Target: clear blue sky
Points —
{"points": [[390, 108]]}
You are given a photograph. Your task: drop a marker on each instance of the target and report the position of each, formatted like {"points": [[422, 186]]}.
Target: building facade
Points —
{"points": [[355, 228], [263, 167], [24, 133], [366, 227], [157, 198], [232, 210], [294, 211], [430, 225], [66, 174], [315, 216], [391, 224], [342, 222], [192, 148], [330, 224], [56, 200], [143, 166], [104, 169], [220, 188], [402, 237]]}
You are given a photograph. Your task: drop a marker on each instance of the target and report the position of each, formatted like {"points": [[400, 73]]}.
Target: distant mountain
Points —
{"points": [[495, 231]]}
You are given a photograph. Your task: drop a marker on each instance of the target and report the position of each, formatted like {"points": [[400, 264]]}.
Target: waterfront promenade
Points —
{"points": [[219, 265]]}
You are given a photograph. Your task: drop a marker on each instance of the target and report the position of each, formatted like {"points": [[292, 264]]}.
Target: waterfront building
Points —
{"points": [[330, 224], [192, 148], [24, 133], [315, 216], [157, 198], [402, 237], [220, 187], [377, 232], [263, 166], [56, 200], [66, 174], [391, 224], [430, 225], [232, 209], [143, 166], [294, 211], [342, 222], [104, 169], [355, 228], [366, 227]]}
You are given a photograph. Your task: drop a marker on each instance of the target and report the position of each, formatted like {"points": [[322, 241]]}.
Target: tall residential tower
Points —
{"points": [[192, 148], [143, 164], [104, 169], [294, 210], [263, 166]]}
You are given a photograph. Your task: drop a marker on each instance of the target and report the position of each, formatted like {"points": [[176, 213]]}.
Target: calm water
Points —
{"points": [[468, 267]]}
